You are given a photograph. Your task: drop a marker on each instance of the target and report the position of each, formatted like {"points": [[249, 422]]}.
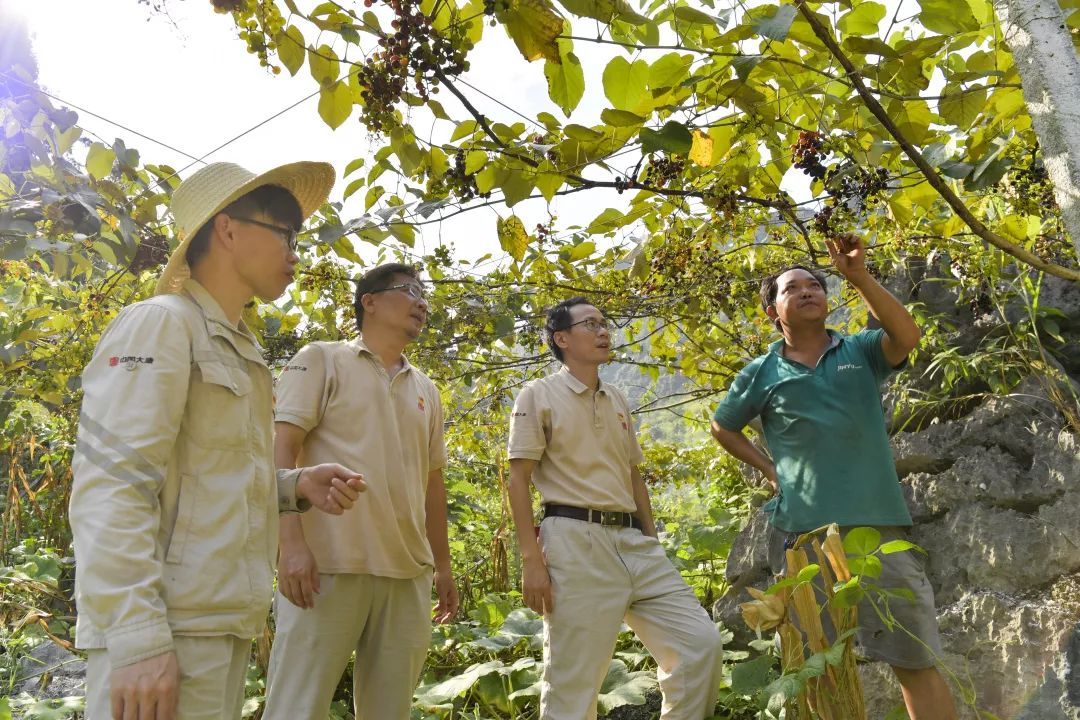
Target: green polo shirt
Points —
{"points": [[825, 428]]}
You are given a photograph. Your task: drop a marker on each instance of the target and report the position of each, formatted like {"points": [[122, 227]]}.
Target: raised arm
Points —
{"points": [[848, 255]]}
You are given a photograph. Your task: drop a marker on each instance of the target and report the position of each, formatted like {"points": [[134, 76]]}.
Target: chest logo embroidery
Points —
{"points": [[420, 404], [130, 362], [622, 420], [848, 366]]}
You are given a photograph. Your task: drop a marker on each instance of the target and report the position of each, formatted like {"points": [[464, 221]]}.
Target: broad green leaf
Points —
{"points": [[604, 10], [335, 104], [621, 118], [848, 594], [693, 15], [621, 687], [352, 187], [674, 138], [776, 26], [870, 46], [99, 160], [548, 181], [512, 236], [533, 25], [912, 117], [701, 150], [863, 20], [582, 250], [324, 65], [669, 70], [353, 166], [566, 80], [1015, 228], [580, 132], [750, 676], [464, 129], [948, 17], [895, 546], [867, 566], [962, 107], [474, 160], [809, 572], [861, 541], [625, 83], [515, 186], [291, 49], [372, 196]]}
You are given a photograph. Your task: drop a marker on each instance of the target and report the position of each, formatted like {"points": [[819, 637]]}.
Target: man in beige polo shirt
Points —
{"points": [[174, 505], [362, 585], [598, 562]]}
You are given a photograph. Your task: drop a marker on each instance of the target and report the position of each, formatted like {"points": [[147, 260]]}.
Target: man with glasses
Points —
{"points": [[596, 562], [363, 585], [174, 505]]}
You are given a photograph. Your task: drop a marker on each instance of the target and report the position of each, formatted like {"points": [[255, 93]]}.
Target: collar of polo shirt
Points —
{"points": [[576, 385], [361, 347]]}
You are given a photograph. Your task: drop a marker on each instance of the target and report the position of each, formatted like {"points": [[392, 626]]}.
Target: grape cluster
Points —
{"points": [[1034, 191], [662, 170], [460, 182], [152, 253], [686, 268], [411, 58], [851, 191], [808, 152]]}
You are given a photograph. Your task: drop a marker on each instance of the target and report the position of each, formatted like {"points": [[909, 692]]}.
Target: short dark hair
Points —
{"points": [[273, 201], [769, 284], [378, 278], [558, 318]]}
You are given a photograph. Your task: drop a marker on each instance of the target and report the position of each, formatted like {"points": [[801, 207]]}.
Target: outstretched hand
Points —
{"points": [[847, 253], [330, 487]]}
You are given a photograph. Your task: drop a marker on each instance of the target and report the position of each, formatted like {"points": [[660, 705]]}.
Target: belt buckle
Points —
{"points": [[611, 517]]}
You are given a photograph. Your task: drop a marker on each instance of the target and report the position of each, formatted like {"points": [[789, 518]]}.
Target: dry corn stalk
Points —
{"points": [[797, 617]]}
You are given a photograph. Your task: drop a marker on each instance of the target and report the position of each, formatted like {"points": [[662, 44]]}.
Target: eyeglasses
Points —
{"points": [[287, 235], [592, 324], [416, 292]]}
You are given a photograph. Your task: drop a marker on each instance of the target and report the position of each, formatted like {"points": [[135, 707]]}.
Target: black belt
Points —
{"points": [[603, 517]]}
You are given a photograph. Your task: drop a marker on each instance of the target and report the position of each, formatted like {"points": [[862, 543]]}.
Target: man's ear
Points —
{"points": [[223, 231], [560, 339], [774, 316]]}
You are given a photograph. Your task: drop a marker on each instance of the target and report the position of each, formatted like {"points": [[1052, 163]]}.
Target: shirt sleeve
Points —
{"points": [[437, 440], [869, 344], [302, 389], [741, 404], [527, 437], [135, 390]]}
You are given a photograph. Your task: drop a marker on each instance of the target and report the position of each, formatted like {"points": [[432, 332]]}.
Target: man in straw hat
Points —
{"points": [[174, 507], [817, 394]]}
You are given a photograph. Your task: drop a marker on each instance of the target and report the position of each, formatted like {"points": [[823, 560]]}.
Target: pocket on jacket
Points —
{"points": [[185, 510], [219, 405]]}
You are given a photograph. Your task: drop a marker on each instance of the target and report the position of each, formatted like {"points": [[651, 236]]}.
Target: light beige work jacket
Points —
{"points": [[174, 507]]}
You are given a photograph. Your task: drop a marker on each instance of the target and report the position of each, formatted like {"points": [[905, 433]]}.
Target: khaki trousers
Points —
{"points": [[602, 576], [212, 672], [386, 621]]}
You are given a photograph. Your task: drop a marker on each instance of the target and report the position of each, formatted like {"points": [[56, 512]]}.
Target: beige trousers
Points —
{"points": [[602, 576], [386, 621], [212, 671]]}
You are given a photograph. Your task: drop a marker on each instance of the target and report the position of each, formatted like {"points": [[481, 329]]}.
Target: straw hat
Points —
{"points": [[212, 188]]}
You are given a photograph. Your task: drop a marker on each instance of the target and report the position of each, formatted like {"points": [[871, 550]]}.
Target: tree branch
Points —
{"points": [[936, 181]]}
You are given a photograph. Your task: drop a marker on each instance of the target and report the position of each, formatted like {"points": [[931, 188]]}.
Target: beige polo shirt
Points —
{"points": [[389, 429], [583, 442]]}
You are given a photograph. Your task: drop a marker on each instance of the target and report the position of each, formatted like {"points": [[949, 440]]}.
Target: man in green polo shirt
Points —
{"points": [[817, 393]]}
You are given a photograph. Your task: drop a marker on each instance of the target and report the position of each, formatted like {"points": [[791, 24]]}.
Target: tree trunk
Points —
{"points": [[1049, 69]]}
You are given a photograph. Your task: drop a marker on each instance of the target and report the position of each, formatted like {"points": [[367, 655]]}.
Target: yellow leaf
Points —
{"points": [[512, 236], [701, 149], [533, 25]]}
